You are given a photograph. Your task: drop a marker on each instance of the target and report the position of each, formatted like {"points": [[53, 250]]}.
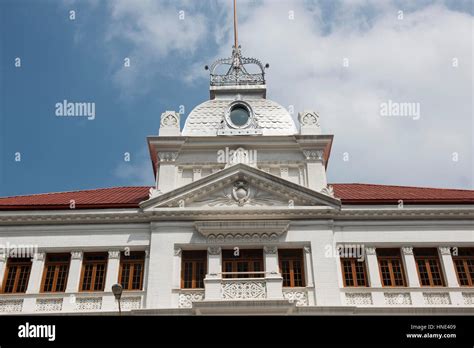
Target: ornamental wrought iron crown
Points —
{"points": [[237, 75]]}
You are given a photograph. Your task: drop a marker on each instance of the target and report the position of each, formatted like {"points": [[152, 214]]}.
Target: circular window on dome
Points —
{"points": [[239, 115]]}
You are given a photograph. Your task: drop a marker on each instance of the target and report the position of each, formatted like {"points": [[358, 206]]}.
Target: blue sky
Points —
{"points": [[82, 60]]}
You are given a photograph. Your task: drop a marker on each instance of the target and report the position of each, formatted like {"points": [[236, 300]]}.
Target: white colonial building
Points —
{"points": [[241, 220]]}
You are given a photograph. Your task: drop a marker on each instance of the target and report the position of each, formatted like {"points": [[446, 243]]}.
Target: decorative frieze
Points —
{"points": [[129, 303], [49, 305], [242, 238], [186, 298], [295, 295], [359, 299], [436, 298], [88, 303], [397, 298], [259, 227], [468, 298], [11, 306], [243, 290]]}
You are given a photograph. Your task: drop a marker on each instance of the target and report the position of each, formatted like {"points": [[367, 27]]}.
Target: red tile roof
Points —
{"points": [[114, 197], [381, 194], [129, 197]]}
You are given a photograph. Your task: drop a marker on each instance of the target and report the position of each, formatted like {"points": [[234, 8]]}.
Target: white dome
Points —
{"points": [[206, 118]]}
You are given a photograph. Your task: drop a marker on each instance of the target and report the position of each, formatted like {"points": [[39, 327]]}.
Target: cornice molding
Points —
{"points": [[422, 216]]}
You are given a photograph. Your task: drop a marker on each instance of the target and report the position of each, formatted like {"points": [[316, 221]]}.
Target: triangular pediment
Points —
{"points": [[240, 186]]}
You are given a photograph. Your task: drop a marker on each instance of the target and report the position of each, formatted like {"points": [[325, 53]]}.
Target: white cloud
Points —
{"points": [[153, 30], [407, 60], [138, 171]]}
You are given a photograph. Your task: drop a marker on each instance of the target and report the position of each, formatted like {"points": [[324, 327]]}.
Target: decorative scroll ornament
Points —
{"points": [[169, 119], [153, 193], [167, 156], [328, 191], [76, 255], [214, 250], [408, 250], [313, 154], [309, 119], [241, 192]]}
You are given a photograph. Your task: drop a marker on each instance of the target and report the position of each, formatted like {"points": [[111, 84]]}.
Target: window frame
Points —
{"points": [[390, 259], [245, 255], [57, 265], [194, 258], [292, 255], [133, 262], [354, 273], [426, 259], [464, 259], [18, 264], [94, 264]]}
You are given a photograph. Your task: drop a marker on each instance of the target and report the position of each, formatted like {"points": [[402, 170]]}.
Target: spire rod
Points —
{"points": [[235, 25]]}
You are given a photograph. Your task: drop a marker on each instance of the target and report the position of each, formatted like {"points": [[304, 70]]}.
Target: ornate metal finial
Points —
{"points": [[237, 74]]}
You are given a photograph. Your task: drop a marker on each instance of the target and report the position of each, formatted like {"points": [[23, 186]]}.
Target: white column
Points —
{"points": [[316, 172], [273, 278], [177, 268], [146, 270], [3, 264], [179, 177], [374, 276], [166, 178], [449, 271], [412, 275], [34, 282], [73, 281], [113, 266], [309, 275], [212, 282], [197, 173], [74, 276], [284, 173], [301, 176]]}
